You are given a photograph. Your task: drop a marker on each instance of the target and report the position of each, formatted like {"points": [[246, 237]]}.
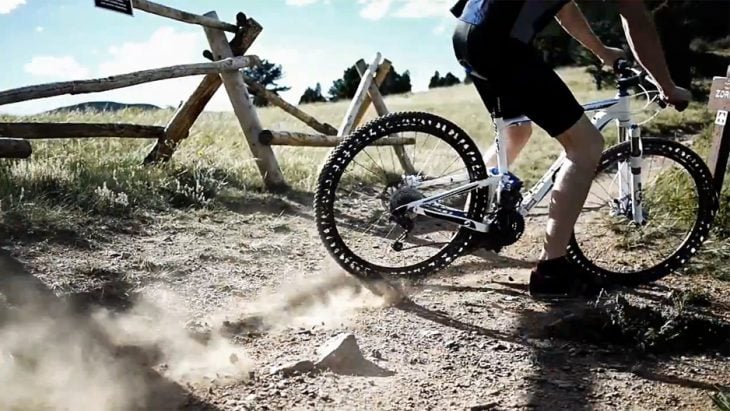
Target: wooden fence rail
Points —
{"points": [[179, 15], [289, 108], [292, 138], [123, 80], [178, 127], [78, 130]]}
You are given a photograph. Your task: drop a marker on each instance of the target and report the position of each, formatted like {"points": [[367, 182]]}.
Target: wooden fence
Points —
{"points": [[228, 58]]}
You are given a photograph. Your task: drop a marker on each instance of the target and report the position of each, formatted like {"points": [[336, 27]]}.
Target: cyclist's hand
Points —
{"points": [[609, 55], [678, 97]]}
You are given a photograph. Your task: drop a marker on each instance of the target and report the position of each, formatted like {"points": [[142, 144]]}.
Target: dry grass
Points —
{"points": [[71, 179]]}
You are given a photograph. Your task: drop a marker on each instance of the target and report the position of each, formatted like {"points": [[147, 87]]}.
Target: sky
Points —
{"points": [[44, 41]]}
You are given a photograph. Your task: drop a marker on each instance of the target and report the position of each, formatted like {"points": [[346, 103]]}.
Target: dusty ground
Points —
{"points": [[128, 316]]}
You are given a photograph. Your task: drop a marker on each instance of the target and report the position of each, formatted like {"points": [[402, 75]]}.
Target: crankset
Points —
{"points": [[506, 227]]}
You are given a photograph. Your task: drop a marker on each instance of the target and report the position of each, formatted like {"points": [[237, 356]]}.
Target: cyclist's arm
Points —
{"points": [[644, 41], [574, 23]]}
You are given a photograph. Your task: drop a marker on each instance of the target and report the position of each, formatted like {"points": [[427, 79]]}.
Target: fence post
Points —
{"points": [[380, 76], [720, 102], [359, 99], [245, 112], [382, 109]]}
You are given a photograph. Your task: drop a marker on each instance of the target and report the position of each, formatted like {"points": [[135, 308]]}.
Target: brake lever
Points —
{"points": [[680, 107], [623, 66]]}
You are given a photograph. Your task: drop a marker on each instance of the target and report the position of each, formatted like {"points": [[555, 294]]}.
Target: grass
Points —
{"points": [[716, 250], [721, 401], [104, 176], [651, 327], [76, 180]]}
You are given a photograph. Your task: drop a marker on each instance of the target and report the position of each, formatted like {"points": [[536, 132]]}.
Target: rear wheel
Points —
{"points": [[679, 202], [363, 184]]}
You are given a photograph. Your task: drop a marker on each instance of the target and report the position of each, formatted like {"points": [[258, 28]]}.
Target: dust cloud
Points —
{"points": [[329, 300], [56, 356]]}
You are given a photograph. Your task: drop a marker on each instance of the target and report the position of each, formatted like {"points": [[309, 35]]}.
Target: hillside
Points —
{"points": [[102, 106]]}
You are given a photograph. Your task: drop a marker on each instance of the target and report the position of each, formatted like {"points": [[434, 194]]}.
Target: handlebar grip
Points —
{"points": [[679, 107]]}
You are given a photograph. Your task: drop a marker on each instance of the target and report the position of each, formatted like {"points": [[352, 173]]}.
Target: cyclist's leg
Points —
{"points": [[516, 138], [583, 145], [552, 106]]}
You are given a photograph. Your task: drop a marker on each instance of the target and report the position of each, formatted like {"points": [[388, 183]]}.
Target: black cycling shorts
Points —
{"points": [[507, 68]]}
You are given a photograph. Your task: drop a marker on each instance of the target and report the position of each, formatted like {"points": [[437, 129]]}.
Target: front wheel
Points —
{"points": [[679, 205]]}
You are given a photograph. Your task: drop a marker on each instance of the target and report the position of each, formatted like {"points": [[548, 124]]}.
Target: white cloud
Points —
{"points": [[58, 68], [440, 29], [165, 47], [39, 29], [375, 9], [6, 6], [412, 9], [300, 2], [417, 9], [378, 9]]}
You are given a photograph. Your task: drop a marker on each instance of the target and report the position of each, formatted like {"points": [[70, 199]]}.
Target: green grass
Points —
{"points": [[721, 401], [716, 251], [77, 179], [104, 176]]}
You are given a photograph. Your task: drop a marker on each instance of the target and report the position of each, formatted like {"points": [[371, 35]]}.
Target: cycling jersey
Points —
{"points": [[519, 19]]}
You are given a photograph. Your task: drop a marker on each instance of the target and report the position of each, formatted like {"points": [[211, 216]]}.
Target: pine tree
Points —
{"points": [[267, 74], [313, 95]]}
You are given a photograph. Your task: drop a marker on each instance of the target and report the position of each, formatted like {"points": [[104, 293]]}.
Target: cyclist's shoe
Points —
{"points": [[560, 278]]}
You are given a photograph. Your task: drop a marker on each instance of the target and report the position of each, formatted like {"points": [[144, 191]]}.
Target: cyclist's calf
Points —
{"points": [[583, 145]]}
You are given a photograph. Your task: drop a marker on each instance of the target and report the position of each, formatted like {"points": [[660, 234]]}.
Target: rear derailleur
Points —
{"points": [[401, 196]]}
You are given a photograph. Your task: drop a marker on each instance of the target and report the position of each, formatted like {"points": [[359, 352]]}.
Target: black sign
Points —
{"points": [[122, 6]]}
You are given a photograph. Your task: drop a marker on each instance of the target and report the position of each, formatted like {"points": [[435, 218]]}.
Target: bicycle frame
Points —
{"points": [[604, 112]]}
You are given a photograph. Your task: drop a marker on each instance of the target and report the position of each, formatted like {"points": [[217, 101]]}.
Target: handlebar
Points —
{"points": [[621, 66], [631, 77]]}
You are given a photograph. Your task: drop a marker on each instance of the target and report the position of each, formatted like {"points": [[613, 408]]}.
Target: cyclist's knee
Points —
{"points": [[520, 133], [583, 142]]}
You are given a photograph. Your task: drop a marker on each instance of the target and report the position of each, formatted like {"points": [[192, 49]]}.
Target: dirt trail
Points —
{"points": [[192, 311]]}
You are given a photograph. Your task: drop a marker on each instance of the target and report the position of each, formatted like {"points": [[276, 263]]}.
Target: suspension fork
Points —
{"points": [[635, 162], [624, 177], [629, 172]]}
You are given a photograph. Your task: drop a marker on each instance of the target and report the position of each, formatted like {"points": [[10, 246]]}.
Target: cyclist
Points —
{"points": [[492, 40]]}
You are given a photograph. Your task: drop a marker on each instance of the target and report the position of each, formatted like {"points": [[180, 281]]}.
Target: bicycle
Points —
{"points": [[402, 224]]}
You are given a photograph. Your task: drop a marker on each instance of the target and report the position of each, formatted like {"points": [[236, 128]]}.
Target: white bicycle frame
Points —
{"points": [[604, 112]]}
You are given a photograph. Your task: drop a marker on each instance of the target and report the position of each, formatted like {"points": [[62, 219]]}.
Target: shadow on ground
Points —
{"points": [[622, 332]]}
